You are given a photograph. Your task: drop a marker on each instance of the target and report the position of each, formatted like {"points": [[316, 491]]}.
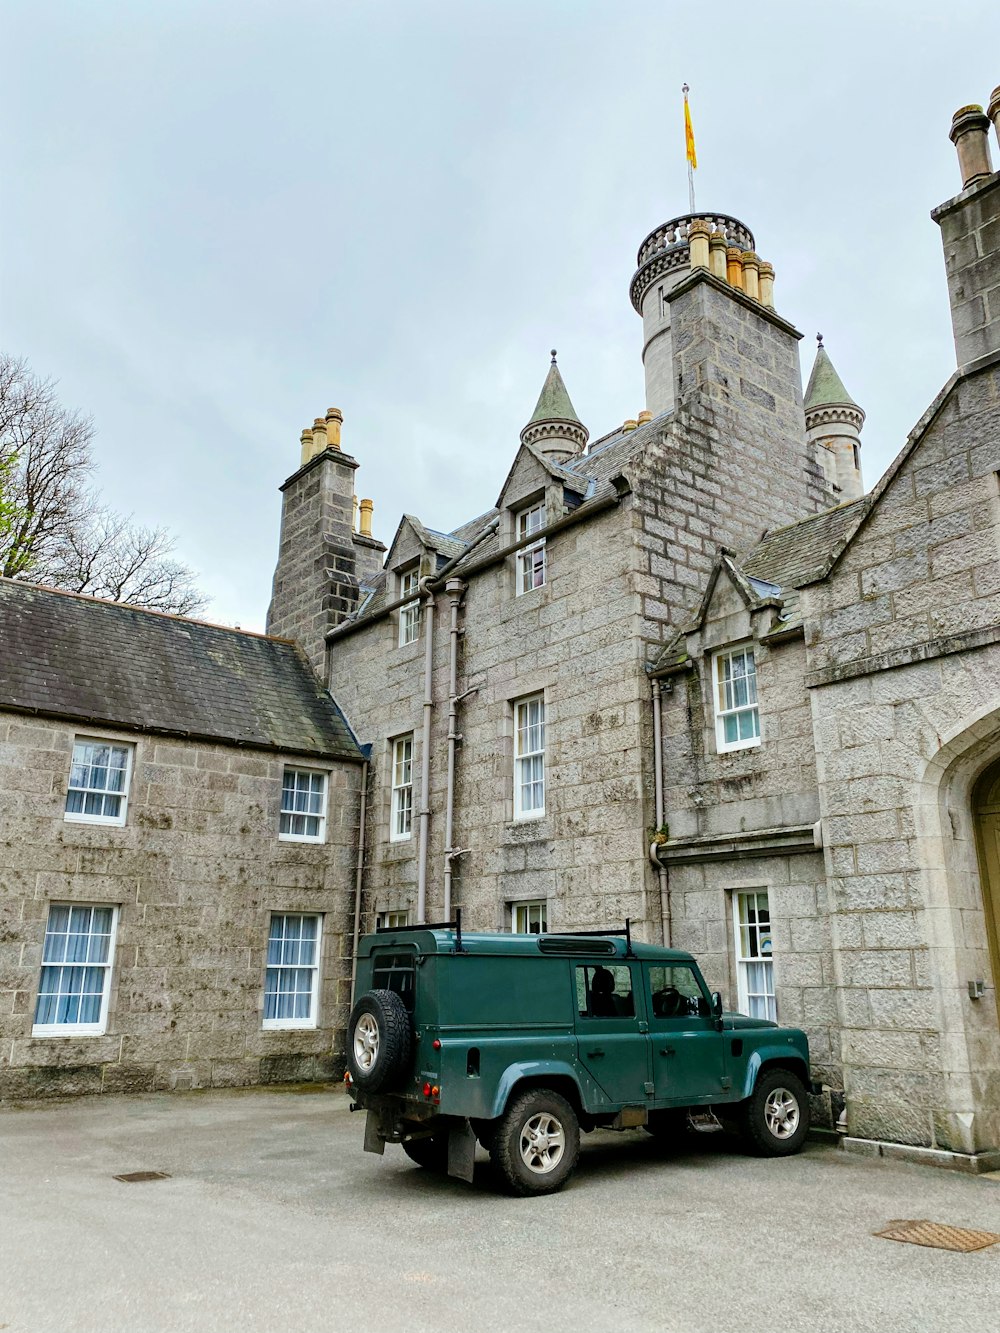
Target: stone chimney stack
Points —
{"points": [[322, 561], [970, 233]]}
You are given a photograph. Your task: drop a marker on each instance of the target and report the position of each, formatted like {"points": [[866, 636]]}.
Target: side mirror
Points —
{"points": [[716, 1004]]}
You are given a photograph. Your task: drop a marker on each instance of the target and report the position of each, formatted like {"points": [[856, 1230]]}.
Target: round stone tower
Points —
{"points": [[665, 258]]}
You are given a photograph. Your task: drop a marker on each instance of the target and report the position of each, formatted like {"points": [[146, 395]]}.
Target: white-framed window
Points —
{"points": [[409, 615], [99, 775], [529, 918], [754, 962], [392, 920], [303, 806], [401, 803], [529, 757], [737, 717], [531, 558], [75, 983], [291, 978]]}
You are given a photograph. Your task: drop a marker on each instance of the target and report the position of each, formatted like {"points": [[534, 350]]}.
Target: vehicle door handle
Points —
{"points": [[668, 1050], [591, 1055]]}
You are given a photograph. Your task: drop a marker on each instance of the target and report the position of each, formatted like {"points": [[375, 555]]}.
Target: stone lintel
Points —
{"points": [[975, 1164], [331, 455], [793, 840], [900, 657], [704, 275]]}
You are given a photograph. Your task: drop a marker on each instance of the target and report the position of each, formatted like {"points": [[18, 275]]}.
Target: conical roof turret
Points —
{"points": [[825, 388], [554, 428], [833, 425]]}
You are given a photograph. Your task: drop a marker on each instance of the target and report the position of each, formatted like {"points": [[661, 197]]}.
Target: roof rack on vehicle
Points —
{"points": [[625, 930], [455, 925]]}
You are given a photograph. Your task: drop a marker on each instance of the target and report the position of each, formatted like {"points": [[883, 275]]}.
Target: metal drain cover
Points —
{"points": [[137, 1177], [938, 1235]]}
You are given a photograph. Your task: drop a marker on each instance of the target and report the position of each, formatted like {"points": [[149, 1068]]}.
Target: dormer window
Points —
{"points": [[737, 717], [531, 558], [409, 613]]}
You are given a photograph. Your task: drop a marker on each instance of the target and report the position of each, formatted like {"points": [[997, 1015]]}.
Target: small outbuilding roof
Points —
{"points": [[105, 664]]}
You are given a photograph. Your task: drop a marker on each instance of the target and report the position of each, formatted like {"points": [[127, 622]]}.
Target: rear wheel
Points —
{"points": [[775, 1117], [379, 1040], [537, 1142], [430, 1152]]}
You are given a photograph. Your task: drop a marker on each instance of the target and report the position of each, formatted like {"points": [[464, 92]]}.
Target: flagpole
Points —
{"points": [[689, 147]]}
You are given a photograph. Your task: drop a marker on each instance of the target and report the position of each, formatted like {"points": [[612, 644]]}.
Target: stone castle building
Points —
{"points": [[689, 673]]}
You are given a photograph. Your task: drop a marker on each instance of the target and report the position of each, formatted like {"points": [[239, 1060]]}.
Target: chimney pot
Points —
{"points": [[969, 128], [334, 421], [993, 110], [644, 416], [717, 254], [319, 436], [698, 242], [751, 274], [767, 284], [630, 424], [734, 266], [365, 519], [306, 441]]}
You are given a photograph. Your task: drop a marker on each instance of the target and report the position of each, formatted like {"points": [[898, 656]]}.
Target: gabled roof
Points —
{"points": [[104, 664], [446, 545], [557, 471]]}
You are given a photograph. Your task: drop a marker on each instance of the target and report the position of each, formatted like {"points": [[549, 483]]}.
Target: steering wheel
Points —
{"points": [[668, 1002]]}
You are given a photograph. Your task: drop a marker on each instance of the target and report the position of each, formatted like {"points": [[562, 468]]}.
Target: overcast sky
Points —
{"points": [[223, 217]]}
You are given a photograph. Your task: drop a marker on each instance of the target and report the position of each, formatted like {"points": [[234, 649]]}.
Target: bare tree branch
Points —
{"points": [[53, 527]]}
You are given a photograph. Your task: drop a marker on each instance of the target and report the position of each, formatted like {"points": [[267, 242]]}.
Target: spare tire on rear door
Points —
{"points": [[379, 1041]]}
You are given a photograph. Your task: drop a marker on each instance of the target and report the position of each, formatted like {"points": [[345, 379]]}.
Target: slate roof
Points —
{"points": [[102, 663], [803, 552]]}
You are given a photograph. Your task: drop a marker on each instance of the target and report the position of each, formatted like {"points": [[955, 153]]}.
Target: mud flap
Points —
{"points": [[374, 1140], [461, 1151]]}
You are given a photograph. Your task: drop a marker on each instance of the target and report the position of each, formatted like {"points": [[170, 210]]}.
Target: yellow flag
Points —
{"points": [[692, 156]]}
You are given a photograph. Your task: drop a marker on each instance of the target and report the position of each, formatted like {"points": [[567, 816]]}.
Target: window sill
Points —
{"points": [[106, 821], [735, 749], [70, 1030], [288, 1025], [301, 837]]}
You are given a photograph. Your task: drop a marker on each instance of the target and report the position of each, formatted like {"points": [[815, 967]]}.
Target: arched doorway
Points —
{"points": [[986, 811]]}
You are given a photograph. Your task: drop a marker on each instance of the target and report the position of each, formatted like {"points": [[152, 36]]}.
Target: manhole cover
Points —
{"points": [[137, 1177], [938, 1235]]}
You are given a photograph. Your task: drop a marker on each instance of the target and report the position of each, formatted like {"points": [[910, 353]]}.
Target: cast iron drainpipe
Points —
{"points": [[455, 587], [425, 752], [358, 877], [661, 869]]}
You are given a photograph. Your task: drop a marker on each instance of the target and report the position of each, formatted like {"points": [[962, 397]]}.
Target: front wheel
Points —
{"points": [[537, 1142], [775, 1118]]}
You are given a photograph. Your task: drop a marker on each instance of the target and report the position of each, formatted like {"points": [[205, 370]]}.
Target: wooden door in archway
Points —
{"points": [[986, 811]]}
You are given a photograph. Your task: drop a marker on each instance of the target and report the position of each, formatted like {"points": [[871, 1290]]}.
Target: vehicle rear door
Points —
{"points": [[612, 1031], [688, 1051]]}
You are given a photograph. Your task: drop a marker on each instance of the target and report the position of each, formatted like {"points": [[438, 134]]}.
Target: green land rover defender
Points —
{"points": [[522, 1041]]}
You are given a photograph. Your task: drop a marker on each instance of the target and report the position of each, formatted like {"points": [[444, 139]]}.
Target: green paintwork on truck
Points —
{"points": [[504, 1009]]}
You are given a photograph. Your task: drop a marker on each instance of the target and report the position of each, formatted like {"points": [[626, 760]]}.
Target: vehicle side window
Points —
{"points": [[604, 992], [395, 972], [674, 992]]}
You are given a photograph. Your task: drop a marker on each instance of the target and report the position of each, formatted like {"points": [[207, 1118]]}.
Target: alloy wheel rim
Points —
{"points": [[781, 1113], [542, 1143], [366, 1042]]}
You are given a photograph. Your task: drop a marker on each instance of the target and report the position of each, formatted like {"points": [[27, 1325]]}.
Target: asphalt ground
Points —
{"points": [[273, 1219]]}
